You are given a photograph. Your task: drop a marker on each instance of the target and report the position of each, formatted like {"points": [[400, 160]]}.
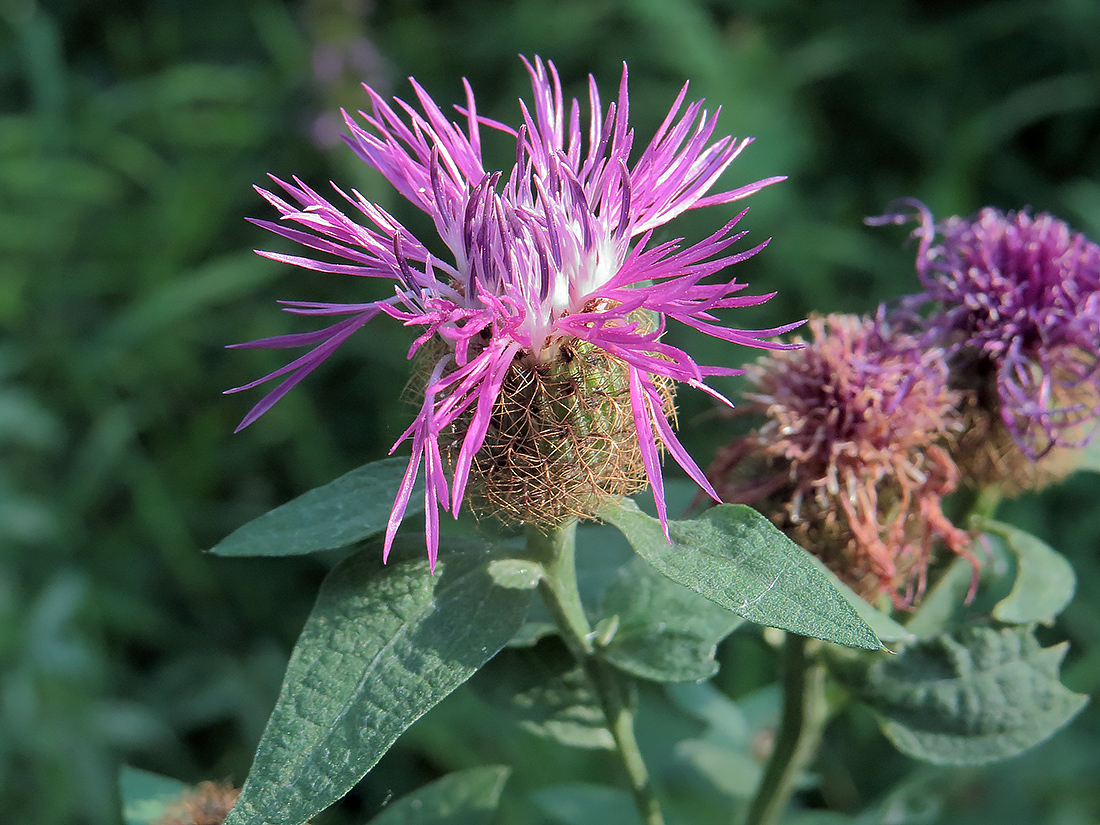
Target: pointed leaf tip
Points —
{"points": [[354, 507]]}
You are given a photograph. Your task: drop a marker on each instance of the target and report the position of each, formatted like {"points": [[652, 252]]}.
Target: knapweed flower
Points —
{"points": [[852, 460], [1016, 302], [541, 329]]}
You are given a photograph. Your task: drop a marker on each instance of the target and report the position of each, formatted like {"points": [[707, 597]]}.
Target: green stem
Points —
{"points": [[975, 501], [985, 503], [800, 727], [555, 551]]}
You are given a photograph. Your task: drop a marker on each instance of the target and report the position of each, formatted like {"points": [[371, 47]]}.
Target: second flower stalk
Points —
{"points": [[555, 551]]}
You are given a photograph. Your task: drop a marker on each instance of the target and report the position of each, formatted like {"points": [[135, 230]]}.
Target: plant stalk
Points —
{"points": [[800, 727], [555, 550], [985, 503]]}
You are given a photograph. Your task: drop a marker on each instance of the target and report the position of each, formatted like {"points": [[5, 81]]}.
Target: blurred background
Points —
{"points": [[131, 134]]}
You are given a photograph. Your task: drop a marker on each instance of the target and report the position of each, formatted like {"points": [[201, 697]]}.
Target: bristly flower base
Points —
{"points": [[561, 441]]}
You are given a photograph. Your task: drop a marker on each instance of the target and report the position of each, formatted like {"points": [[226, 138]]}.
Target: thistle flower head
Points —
{"points": [[544, 262], [851, 460], [1017, 297]]}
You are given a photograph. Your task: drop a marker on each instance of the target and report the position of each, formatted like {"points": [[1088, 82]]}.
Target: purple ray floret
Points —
{"points": [[555, 249]]}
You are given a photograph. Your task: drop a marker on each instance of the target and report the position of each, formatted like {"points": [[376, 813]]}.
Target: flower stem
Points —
{"points": [[800, 727], [555, 551], [971, 502], [985, 503]]}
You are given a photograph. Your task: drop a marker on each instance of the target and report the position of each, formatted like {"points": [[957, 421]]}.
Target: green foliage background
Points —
{"points": [[130, 135]]}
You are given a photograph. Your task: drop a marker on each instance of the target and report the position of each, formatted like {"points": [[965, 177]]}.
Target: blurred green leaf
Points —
{"points": [[943, 604], [464, 798], [916, 800], [735, 557], [581, 804], [819, 818], [735, 773], [146, 796], [354, 507], [23, 420], [217, 281], [383, 645], [666, 632], [974, 696], [722, 716], [25, 519], [1044, 579], [547, 694]]}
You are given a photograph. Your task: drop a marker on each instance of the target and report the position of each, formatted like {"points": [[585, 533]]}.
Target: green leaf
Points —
{"points": [[721, 715], [147, 797], [735, 557], [734, 773], [666, 632], [944, 604], [818, 818], [916, 800], [884, 626], [515, 574], [581, 804], [354, 507], [726, 755], [974, 696], [381, 648], [544, 691], [464, 798], [1044, 579], [533, 630]]}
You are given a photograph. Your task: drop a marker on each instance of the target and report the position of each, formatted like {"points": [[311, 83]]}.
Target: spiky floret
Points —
{"points": [[1016, 301], [852, 459], [555, 253]]}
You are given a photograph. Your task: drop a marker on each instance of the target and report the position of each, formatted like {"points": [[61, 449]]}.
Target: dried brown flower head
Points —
{"points": [[853, 460]]}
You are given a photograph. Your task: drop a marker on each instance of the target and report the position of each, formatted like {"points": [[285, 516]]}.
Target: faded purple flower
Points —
{"points": [[1018, 296], [548, 258], [852, 460]]}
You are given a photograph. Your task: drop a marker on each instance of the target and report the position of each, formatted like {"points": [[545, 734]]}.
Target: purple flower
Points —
{"points": [[853, 458], [1018, 296], [554, 254]]}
